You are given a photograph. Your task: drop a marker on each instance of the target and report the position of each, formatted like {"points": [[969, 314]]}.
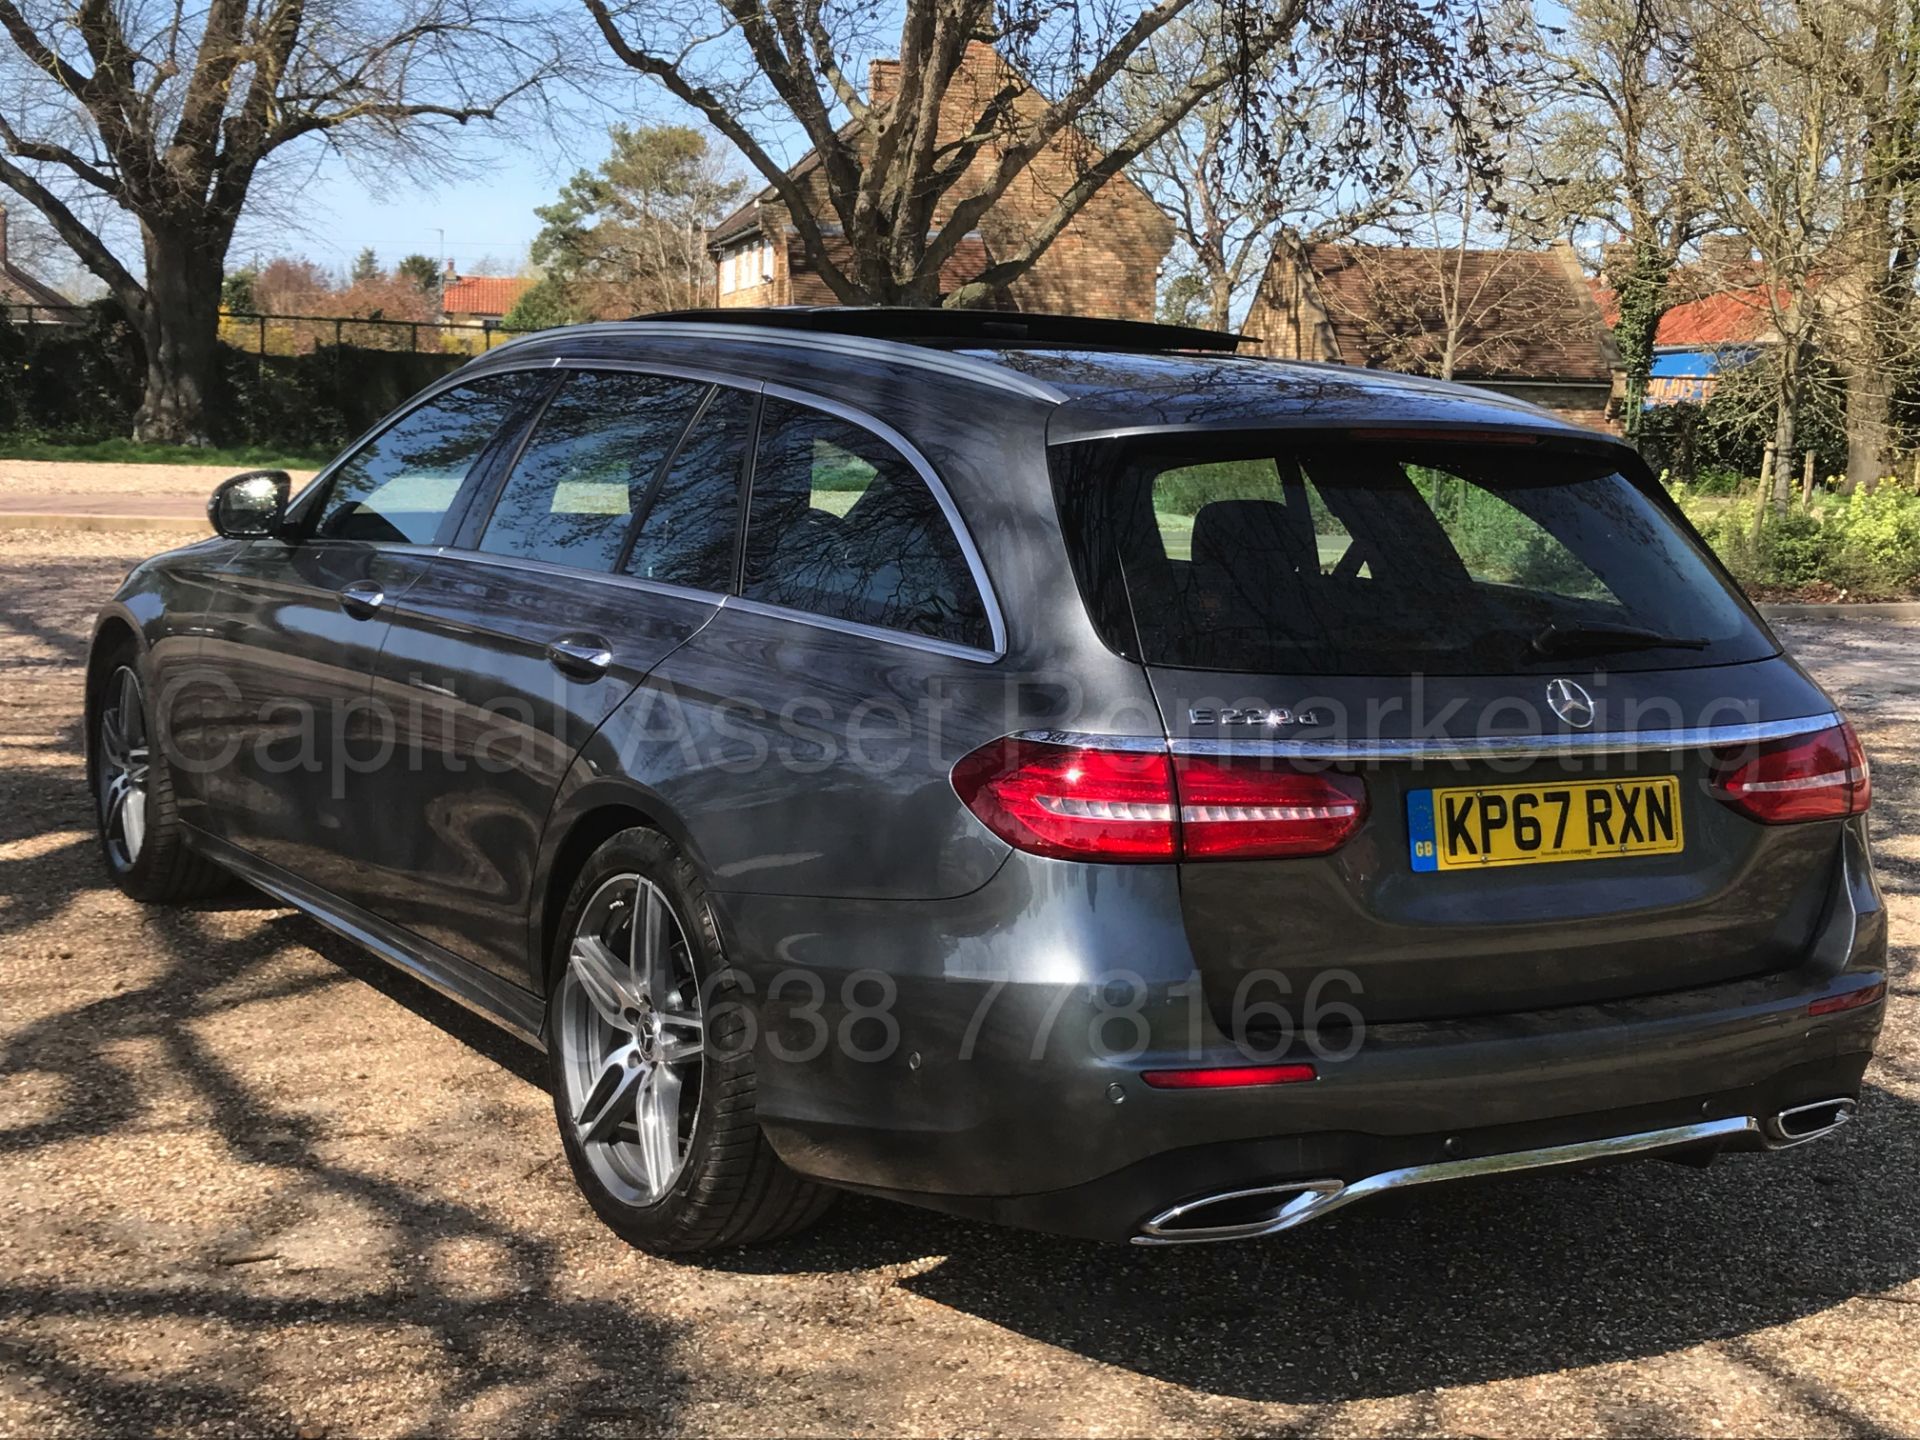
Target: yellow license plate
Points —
{"points": [[1477, 826]]}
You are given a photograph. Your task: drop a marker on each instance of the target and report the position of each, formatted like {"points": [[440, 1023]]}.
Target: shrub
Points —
{"points": [[1865, 543], [1795, 548], [1876, 539], [81, 383], [1719, 480]]}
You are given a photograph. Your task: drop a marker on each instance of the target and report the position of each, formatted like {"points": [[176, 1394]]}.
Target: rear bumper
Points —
{"points": [[1165, 1198], [1044, 1144], [1010, 1087]]}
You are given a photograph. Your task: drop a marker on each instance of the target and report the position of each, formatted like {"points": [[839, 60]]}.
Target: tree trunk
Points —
{"points": [[1219, 298], [1869, 425], [1642, 299], [1786, 421], [179, 324]]}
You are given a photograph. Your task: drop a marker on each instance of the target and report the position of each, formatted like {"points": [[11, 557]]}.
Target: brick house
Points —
{"points": [[1522, 322], [17, 287], [1105, 262]]}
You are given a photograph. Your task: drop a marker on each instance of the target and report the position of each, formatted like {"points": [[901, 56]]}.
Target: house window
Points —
{"points": [[726, 273]]}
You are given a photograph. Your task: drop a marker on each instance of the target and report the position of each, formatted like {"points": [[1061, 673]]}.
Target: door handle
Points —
{"points": [[362, 598], [585, 657]]}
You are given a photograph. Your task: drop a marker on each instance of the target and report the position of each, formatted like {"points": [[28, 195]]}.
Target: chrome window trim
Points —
{"points": [[905, 638], [574, 572], [666, 369], [894, 352], [905, 448], [1476, 747]]}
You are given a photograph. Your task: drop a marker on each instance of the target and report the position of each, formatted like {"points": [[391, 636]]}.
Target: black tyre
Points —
{"points": [[141, 835], [652, 1075]]}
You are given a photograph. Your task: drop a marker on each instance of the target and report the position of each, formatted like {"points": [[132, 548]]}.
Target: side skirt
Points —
{"points": [[519, 1011]]}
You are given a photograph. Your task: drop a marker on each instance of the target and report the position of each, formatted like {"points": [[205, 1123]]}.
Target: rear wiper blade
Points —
{"points": [[1597, 639]]}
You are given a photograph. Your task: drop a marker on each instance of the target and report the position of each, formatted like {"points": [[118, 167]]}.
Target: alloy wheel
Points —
{"points": [[631, 1033], [122, 769]]}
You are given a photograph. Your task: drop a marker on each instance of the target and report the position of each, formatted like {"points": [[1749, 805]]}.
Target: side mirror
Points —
{"points": [[250, 505]]}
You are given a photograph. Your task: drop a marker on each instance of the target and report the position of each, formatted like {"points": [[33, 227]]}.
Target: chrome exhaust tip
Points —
{"points": [[1242, 1214], [1807, 1122]]}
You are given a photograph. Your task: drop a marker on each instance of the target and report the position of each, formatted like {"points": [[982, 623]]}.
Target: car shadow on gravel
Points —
{"points": [[532, 1353], [1499, 1280]]}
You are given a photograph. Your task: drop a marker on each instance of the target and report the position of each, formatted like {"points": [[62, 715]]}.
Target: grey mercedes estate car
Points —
{"points": [[1054, 771]]}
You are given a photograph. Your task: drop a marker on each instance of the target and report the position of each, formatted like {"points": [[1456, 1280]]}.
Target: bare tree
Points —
{"points": [[1301, 151], [1451, 310], [1870, 297], [904, 176], [1616, 144], [165, 113], [1776, 121], [1469, 291]]}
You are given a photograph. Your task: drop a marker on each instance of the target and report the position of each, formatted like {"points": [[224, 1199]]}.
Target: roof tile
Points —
{"points": [[482, 294]]}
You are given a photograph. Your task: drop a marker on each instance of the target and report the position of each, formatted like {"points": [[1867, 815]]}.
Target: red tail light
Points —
{"points": [[1084, 803], [1251, 809], [1823, 776], [1071, 802]]}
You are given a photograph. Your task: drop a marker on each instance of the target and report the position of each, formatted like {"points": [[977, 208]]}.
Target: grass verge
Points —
{"points": [[138, 452]]}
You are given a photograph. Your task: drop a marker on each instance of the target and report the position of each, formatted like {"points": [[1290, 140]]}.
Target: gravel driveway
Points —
{"points": [[251, 1182]]}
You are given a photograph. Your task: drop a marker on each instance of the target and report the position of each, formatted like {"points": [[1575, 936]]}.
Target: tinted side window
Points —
{"points": [[841, 525], [687, 534], [589, 468], [401, 484]]}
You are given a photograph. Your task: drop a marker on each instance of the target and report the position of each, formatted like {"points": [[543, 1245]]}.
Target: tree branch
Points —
{"points": [[81, 240], [724, 119]]}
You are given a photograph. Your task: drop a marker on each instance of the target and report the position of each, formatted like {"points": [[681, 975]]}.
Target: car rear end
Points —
{"points": [[1503, 834]]}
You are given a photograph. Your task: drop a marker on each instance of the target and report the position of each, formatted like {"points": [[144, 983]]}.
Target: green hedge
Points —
{"points": [[81, 383]]}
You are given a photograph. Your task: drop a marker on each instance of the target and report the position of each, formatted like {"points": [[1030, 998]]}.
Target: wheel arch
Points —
{"points": [[111, 631], [588, 815]]}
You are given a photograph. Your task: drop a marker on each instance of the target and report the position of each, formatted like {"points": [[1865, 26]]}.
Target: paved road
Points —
{"points": [[252, 1183], [157, 497]]}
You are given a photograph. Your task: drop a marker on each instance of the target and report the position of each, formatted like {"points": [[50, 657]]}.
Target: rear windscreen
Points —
{"points": [[1279, 554]]}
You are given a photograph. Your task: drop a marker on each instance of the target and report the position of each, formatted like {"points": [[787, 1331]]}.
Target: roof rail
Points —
{"points": [[934, 326]]}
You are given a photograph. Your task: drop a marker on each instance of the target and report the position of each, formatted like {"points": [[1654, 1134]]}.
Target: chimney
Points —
{"points": [[1616, 260], [1727, 260], [451, 275], [883, 83]]}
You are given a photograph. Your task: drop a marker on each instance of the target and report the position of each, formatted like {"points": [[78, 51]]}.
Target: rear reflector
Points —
{"points": [[1852, 1000], [1084, 803], [1823, 776], [1227, 1077]]}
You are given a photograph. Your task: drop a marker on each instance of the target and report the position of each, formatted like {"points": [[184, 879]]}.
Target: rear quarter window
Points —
{"points": [[841, 525]]}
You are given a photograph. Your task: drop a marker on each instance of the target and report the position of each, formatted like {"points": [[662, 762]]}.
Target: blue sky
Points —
{"points": [[486, 214]]}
